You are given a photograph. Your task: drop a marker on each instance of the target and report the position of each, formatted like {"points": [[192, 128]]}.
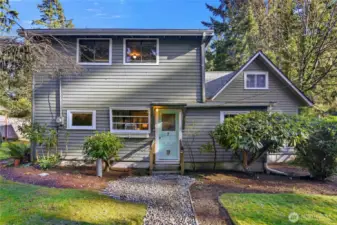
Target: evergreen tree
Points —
{"points": [[7, 16], [52, 15]]}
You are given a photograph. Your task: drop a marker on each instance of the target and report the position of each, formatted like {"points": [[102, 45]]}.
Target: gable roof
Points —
{"points": [[215, 81], [226, 80]]}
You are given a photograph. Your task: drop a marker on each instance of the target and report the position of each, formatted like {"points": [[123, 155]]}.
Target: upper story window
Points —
{"points": [[92, 51], [256, 80], [141, 51]]}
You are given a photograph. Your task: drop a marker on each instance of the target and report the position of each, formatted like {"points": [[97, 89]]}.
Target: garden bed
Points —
{"points": [[206, 191], [62, 177]]}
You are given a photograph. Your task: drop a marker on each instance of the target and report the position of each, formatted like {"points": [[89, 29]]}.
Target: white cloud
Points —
{"points": [[93, 10]]}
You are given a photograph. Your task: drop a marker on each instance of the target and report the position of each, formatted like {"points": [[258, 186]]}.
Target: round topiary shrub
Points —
{"points": [[104, 145]]}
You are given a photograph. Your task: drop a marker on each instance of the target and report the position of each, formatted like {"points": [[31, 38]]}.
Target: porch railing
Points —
{"points": [[152, 152], [182, 166]]}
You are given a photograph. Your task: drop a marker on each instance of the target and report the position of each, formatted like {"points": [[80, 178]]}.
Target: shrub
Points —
{"points": [[103, 146], [254, 134], [319, 153], [18, 150], [48, 162]]}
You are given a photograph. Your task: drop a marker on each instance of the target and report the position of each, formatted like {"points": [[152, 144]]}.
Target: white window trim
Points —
{"points": [[145, 64], [93, 63], [255, 73], [70, 120], [223, 113], [129, 131]]}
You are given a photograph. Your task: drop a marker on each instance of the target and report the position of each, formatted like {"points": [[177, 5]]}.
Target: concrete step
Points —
{"points": [[166, 167], [165, 172]]}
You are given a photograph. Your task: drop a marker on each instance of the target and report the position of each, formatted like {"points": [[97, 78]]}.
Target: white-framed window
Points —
{"points": [[256, 80], [130, 120], [229, 114], [94, 51], [141, 51], [81, 119]]}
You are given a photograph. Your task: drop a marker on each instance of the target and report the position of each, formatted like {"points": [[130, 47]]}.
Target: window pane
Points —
{"points": [[149, 51], [130, 119], [168, 122], [133, 51], [87, 50], [102, 51], [130, 126], [82, 119], [141, 51], [261, 80], [94, 51], [250, 81], [229, 116]]}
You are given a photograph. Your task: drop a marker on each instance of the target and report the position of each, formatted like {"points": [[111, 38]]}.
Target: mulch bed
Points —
{"points": [[63, 177], [209, 187]]}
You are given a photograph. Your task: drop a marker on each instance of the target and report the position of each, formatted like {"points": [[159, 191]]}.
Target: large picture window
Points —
{"points": [[130, 120], [141, 51], [256, 80], [94, 51], [230, 114], [81, 119]]}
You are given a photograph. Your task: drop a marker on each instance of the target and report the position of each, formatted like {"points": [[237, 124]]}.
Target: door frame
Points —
{"points": [[180, 135]]}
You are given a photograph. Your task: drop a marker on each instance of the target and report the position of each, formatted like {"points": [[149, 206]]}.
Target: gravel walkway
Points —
{"points": [[167, 197]]}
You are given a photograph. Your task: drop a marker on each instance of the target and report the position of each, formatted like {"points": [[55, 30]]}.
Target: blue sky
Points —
{"points": [[124, 13]]}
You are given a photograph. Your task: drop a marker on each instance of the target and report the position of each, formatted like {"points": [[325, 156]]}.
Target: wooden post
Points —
{"points": [[182, 166], [152, 156], [6, 127]]}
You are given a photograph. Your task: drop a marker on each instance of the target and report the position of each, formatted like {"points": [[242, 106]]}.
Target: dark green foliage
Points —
{"points": [[8, 16], [18, 150], [319, 153], [104, 145], [52, 15], [48, 162], [256, 133]]}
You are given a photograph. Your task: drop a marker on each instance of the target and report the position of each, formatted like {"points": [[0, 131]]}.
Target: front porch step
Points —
{"points": [[166, 167], [161, 172]]}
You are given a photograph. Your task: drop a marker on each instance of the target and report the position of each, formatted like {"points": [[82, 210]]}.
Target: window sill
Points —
{"points": [[94, 64]]}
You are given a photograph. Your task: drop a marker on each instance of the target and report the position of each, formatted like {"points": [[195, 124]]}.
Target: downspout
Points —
{"points": [[33, 144], [202, 67]]}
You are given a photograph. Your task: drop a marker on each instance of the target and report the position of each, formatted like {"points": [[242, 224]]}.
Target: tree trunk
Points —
{"points": [[99, 172], [107, 166]]}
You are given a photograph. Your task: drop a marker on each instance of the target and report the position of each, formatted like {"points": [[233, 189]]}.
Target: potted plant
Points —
{"points": [[18, 151], [102, 146]]}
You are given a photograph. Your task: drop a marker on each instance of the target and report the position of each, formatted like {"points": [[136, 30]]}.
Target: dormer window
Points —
{"points": [[256, 80], [141, 51], [94, 51]]}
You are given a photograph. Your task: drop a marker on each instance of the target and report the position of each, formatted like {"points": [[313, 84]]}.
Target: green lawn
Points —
{"points": [[29, 204], [274, 209]]}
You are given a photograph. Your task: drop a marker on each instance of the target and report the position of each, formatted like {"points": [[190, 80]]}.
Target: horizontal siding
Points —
{"points": [[176, 79], [201, 122], [279, 92]]}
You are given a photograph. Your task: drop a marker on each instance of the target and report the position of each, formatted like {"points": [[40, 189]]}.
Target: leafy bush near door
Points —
{"points": [[104, 145], [319, 153]]}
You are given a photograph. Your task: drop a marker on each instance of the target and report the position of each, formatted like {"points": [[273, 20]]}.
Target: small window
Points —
{"points": [[256, 80], [130, 120], [81, 119], [229, 114], [137, 51], [94, 51]]}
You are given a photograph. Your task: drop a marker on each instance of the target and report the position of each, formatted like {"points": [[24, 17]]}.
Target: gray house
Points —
{"points": [[150, 87]]}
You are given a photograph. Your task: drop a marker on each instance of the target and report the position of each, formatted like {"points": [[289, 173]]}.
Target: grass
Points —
{"points": [[29, 204], [263, 209]]}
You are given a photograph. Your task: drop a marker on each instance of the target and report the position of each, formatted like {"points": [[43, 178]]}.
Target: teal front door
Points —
{"points": [[168, 135]]}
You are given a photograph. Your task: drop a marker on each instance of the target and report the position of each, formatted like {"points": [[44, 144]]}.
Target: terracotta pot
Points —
{"points": [[17, 162]]}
